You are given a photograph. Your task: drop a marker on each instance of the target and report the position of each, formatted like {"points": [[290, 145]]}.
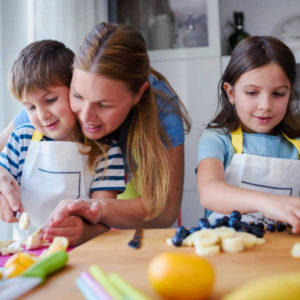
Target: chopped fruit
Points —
{"points": [[233, 245], [14, 270], [24, 221], [58, 243], [295, 252]]}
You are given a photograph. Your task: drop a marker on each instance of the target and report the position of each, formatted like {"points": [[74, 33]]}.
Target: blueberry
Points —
{"points": [[260, 225], [234, 223], [246, 226], [280, 226], [271, 227], [235, 214], [243, 229], [182, 232], [177, 241], [258, 232], [203, 223], [218, 223], [193, 229], [225, 220]]}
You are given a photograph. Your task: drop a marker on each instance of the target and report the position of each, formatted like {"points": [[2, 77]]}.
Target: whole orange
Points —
{"points": [[181, 276]]}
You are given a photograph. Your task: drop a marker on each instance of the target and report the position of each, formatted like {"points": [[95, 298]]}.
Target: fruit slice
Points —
{"points": [[58, 243], [204, 237], [14, 270], [249, 239], [233, 245], [224, 232], [295, 252], [33, 241], [207, 250], [24, 221]]}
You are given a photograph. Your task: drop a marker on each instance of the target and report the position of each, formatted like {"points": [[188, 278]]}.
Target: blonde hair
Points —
{"points": [[119, 53]]}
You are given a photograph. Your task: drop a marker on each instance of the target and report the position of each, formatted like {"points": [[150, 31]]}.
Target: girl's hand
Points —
{"points": [[88, 209], [284, 209], [10, 201], [70, 227]]}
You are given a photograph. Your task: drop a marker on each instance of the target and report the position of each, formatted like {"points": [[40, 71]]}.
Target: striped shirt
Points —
{"points": [[109, 174]]}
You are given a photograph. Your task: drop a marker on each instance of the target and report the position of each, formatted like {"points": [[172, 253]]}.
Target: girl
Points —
{"points": [[248, 155]]}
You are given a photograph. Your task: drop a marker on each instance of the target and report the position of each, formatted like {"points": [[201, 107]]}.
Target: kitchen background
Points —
{"points": [[187, 41]]}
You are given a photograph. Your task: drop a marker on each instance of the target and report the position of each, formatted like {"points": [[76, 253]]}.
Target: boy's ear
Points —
{"points": [[140, 92], [229, 91]]}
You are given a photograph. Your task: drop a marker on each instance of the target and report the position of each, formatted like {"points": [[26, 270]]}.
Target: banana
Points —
{"points": [[260, 241], [207, 250], [33, 241], [233, 245], [24, 221], [224, 232], [169, 242], [295, 252], [204, 237], [249, 239], [279, 287]]}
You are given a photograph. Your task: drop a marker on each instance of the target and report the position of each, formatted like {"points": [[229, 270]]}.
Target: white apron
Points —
{"points": [[267, 174], [53, 171]]}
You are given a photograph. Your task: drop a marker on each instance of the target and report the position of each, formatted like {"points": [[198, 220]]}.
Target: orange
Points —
{"points": [[181, 276]]}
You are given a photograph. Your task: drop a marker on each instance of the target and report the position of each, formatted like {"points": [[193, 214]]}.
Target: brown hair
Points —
{"points": [[40, 65], [119, 52], [251, 53]]}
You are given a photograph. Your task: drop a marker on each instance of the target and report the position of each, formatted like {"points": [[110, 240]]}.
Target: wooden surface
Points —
{"points": [[111, 253]]}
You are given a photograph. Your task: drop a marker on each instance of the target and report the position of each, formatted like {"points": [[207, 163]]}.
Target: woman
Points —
{"points": [[116, 94]]}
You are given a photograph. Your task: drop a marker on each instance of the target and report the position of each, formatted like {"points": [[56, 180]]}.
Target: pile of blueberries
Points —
{"points": [[233, 221]]}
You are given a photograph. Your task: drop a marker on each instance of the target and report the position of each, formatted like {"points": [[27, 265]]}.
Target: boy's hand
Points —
{"points": [[10, 200], [88, 209], [70, 227]]}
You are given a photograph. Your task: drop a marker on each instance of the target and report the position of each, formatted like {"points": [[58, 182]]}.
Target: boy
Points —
{"points": [[37, 173]]}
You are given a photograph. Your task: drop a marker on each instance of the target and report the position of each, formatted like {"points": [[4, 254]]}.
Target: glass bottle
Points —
{"points": [[239, 33]]}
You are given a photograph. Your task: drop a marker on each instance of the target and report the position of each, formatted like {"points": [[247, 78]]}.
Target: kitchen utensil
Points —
{"points": [[136, 240], [33, 276]]}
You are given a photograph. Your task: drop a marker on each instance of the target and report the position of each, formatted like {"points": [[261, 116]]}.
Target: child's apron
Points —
{"points": [[266, 174], [52, 171]]}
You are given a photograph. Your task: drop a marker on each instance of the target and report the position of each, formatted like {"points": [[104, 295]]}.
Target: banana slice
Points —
{"points": [[224, 232], [204, 237], [249, 239], [24, 221], [260, 241], [295, 252], [207, 250], [33, 241], [169, 242], [233, 245]]}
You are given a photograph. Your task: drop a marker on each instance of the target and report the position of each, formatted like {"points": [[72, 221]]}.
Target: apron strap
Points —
{"points": [[295, 142], [37, 136], [237, 140]]}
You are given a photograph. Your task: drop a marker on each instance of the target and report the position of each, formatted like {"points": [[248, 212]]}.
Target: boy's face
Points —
{"points": [[50, 113]]}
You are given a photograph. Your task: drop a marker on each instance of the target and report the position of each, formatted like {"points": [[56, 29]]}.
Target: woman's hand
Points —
{"points": [[70, 227], [10, 200], [88, 209]]}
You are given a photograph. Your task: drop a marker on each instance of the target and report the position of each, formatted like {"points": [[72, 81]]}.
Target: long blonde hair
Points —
{"points": [[119, 53]]}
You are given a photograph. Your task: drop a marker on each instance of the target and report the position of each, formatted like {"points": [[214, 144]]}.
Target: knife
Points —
{"points": [[33, 276]]}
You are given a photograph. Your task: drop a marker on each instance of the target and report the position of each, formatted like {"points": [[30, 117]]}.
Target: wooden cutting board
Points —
{"points": [[111, 253]]}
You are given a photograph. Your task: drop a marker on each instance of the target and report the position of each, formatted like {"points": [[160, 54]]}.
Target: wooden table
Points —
{"points": [[111, 253]]}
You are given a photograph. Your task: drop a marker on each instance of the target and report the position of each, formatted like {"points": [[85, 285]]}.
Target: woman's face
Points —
{"points": [[100, 104]]}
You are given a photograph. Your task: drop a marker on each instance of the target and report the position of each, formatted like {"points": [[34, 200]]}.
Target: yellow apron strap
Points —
{"points": [[237, 140], [37, 136], [295, 142]]}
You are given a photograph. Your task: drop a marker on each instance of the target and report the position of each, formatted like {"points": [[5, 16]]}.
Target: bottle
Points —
{"points": [[191, 36], [239, 33]]}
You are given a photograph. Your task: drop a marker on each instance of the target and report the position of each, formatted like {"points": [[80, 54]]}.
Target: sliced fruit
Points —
{"points": [[207, 250], [224, 232], [33, 241], [24, 221], [14, 270], [295, 252], [249, 239], [204, 237], [233, 245], [58, 243]]}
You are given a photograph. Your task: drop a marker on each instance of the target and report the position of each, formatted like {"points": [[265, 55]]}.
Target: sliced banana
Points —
{"points": [[224, 232], [204, 237], [260, 241], [169, 242], [249, 239], [233, 245], [295, 252], [207, 250], [24, 221], [33, 241]]}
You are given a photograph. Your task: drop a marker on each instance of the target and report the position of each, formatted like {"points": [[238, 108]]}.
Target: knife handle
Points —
{"points": [[47, 265]]}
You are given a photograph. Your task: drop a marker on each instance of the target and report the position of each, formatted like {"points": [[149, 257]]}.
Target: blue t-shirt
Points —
{"points": [[170, 121], [215, 144]]}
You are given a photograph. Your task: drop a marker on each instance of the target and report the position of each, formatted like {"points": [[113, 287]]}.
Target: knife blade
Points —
{"points": [[33, 276]]}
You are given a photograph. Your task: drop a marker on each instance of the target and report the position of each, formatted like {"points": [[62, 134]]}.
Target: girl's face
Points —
{"points": [[100, 104], [50, 113], [260, 97]]}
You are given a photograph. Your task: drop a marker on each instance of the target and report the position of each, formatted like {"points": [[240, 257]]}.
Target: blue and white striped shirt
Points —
{"points": [[13, 156]]}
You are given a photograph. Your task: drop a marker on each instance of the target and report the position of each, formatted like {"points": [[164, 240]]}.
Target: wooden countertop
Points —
{"points": [[111, 253]]}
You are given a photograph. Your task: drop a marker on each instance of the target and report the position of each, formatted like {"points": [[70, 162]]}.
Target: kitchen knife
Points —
{"points": [[33, 276]]}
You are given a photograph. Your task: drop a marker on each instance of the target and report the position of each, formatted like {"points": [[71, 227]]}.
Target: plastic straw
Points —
{"points": [[85, 290]]}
